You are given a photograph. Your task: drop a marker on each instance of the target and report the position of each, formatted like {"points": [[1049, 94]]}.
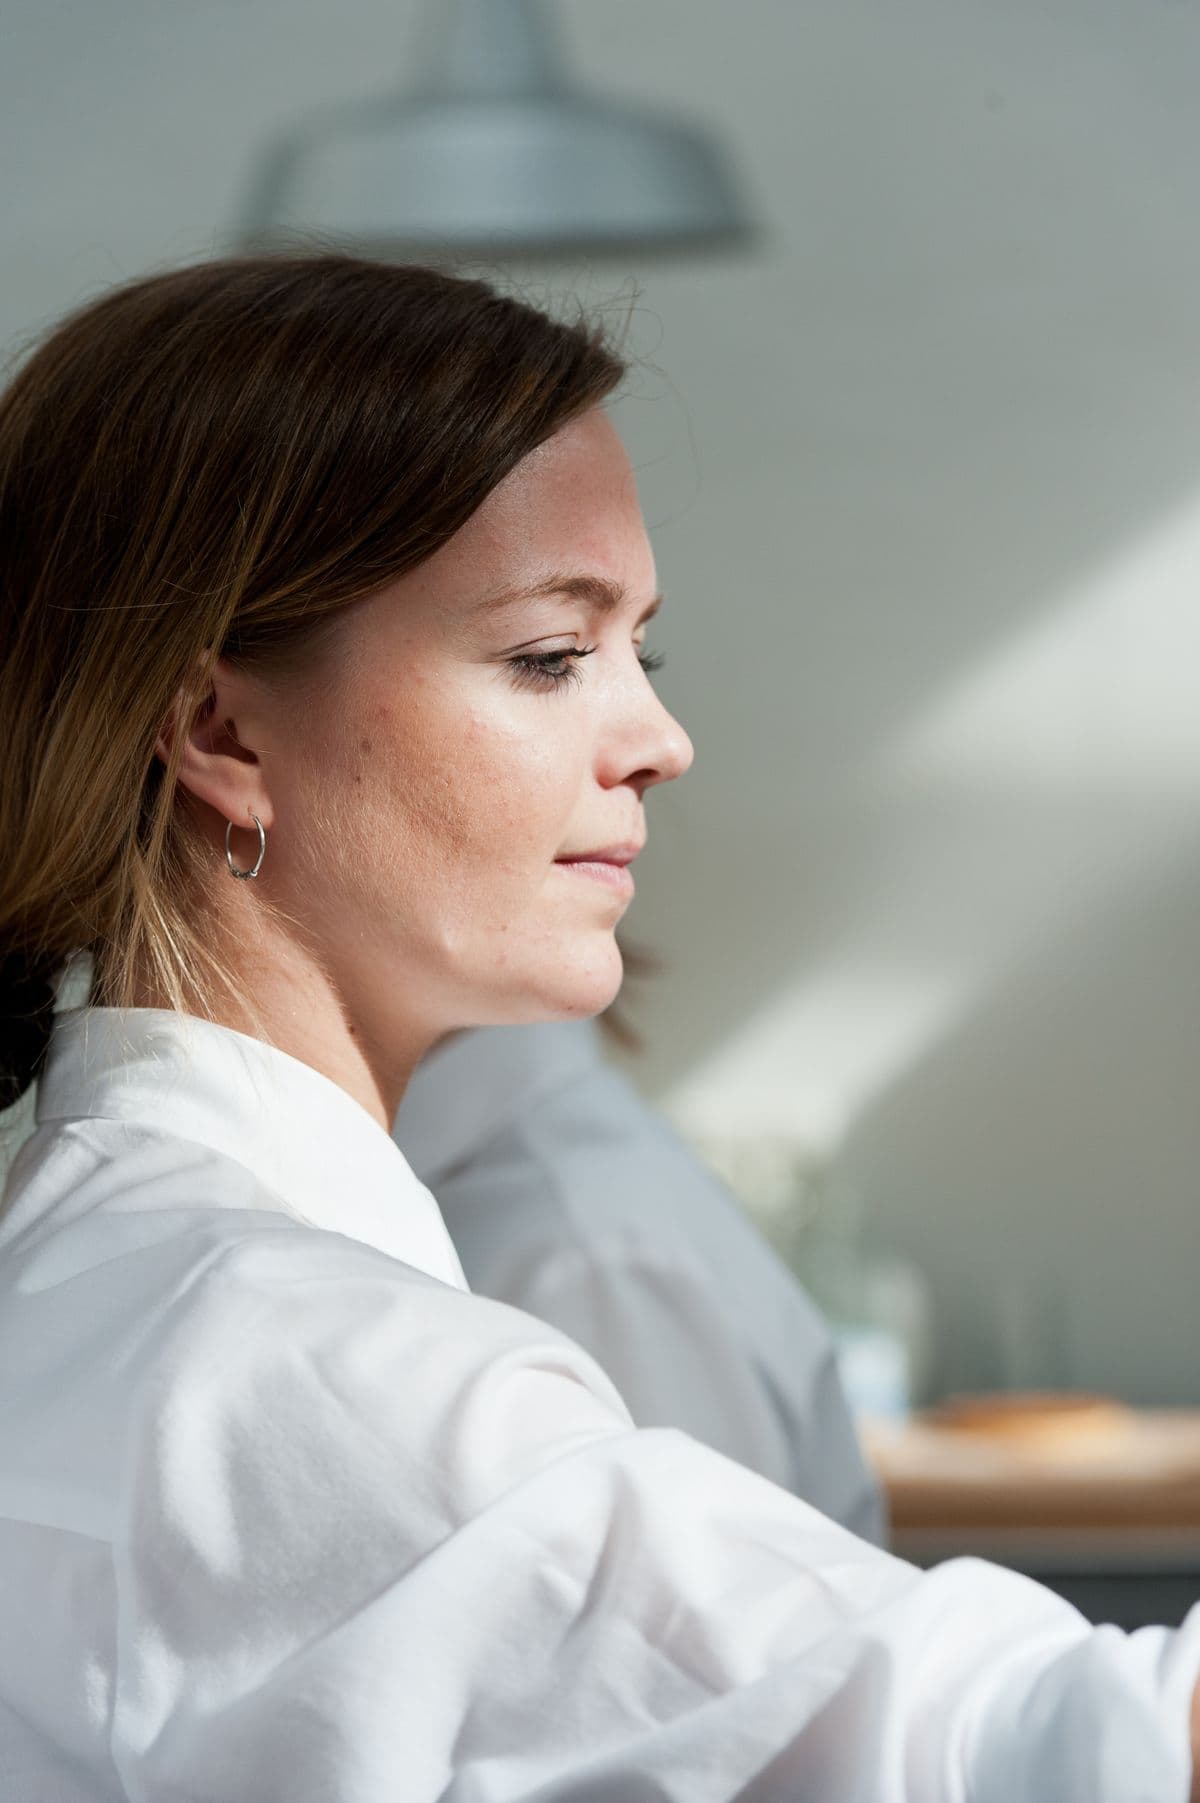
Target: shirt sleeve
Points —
{"points": [[657, 1329], [383, 1540]]}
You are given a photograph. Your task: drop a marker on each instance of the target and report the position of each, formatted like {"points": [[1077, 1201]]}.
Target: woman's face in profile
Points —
{"points": [[475, 724]]}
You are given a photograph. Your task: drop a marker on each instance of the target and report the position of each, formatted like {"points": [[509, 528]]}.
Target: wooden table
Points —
{"points": [[1114, 1526]]}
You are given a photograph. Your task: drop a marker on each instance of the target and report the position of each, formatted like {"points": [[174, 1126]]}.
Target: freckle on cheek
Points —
{"points": [[367, 746]]}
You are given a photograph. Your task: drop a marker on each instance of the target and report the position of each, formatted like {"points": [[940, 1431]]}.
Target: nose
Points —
{"points": [[645, 743]]}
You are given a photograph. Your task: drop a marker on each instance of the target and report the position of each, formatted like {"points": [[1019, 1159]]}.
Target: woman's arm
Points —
{"points": [[401, 1541]]}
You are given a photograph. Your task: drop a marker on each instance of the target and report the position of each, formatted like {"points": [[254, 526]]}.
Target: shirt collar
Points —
{"points": [[476, 1083], [312, 1147]]}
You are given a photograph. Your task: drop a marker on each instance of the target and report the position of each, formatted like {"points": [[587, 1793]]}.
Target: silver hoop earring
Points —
{"points": [[262, 847]]}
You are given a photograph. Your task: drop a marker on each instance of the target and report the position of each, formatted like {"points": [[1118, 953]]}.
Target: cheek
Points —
{"points": [[468, 788]]}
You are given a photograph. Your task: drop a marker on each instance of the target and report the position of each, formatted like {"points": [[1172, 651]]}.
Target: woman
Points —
{"points": [[324, 602]]}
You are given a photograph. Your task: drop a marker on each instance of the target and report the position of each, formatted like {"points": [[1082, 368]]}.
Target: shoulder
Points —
{"points": [[295, 1352], [595, 1182], [593, 1153], [316, 1288]]}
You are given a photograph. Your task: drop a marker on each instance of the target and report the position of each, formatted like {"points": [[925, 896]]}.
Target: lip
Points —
{"points": [[600, 870], [609, 854], [607, 866]]}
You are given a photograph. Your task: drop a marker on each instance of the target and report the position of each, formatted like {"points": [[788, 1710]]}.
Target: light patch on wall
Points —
{"points": [[1100, 697], [814, 1056], [1021, 803]]}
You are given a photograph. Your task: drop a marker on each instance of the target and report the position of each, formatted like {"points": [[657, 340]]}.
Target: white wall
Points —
{"points": [[924, 473]]}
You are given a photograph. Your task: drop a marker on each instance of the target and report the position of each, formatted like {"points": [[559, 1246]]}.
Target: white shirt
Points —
{"points": [[566, 1195], [288, 1516]]}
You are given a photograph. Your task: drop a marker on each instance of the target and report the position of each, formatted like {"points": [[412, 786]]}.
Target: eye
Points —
{"points": [[550, 669]]}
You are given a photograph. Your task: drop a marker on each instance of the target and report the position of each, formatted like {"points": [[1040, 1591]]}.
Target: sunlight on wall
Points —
{"points": [[1102, 697], [812, 1060], [1023, 800]]}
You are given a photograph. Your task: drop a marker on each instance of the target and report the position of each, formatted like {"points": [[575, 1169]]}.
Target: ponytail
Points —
{"points": [[27, 995]]}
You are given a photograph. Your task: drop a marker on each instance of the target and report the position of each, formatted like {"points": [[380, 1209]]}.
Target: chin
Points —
{"points": [[581, 987], [597, 984]]}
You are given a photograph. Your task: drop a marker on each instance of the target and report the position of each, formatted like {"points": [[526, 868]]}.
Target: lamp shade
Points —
{"points": [[494, 152]]}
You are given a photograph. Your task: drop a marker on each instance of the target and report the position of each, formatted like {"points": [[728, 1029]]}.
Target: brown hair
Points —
{"points": [[213, 462]]}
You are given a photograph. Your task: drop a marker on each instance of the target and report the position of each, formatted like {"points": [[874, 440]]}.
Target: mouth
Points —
{"points": [[621, 854], [608, 866]]}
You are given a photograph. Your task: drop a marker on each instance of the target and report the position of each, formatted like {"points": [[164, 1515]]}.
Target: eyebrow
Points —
{"points": [[599, 592]]}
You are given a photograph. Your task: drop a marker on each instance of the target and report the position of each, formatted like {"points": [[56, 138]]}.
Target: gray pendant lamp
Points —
{"points": [[493, 151]]}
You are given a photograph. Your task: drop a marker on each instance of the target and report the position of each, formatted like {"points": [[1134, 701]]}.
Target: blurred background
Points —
{"points": [[920, 454]]}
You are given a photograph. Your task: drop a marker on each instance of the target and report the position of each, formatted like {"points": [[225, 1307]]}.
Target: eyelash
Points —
{"points": [[536, 668]]}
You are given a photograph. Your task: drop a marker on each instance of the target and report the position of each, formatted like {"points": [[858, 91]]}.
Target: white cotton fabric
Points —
{"points": [[566, 1195], [289, 1516]]}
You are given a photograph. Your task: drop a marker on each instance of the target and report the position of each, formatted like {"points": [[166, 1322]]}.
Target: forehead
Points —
{"points": [[572, 504]]}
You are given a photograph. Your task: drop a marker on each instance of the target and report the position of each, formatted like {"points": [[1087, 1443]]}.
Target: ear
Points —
{"points": [[218, 761]]}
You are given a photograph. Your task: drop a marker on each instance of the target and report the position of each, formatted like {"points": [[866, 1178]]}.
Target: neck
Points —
{"points": [[294, 1003]]}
